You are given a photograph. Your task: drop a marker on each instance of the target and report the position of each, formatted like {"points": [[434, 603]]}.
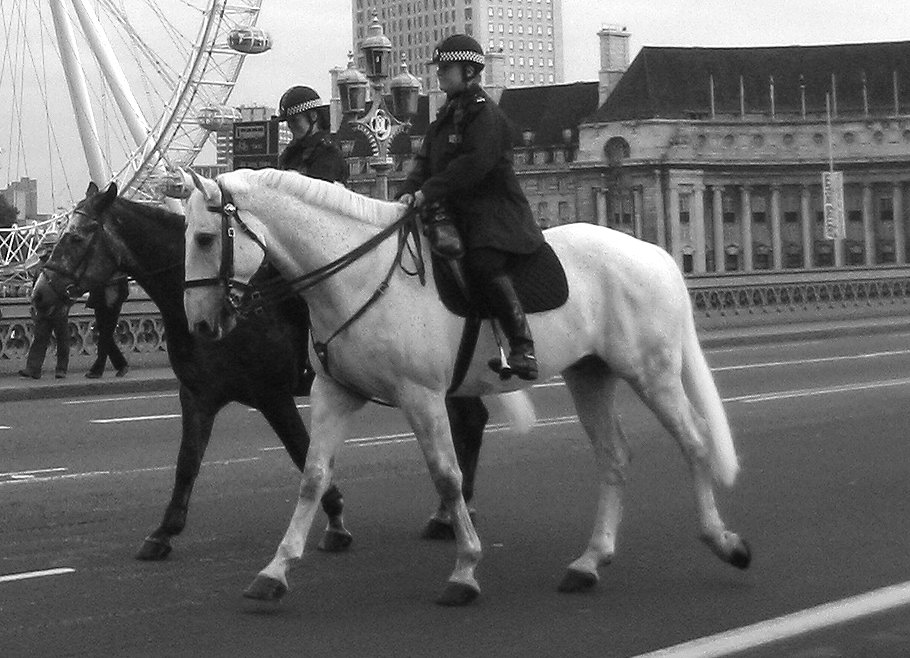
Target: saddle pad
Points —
{"points": [[539, 280]]}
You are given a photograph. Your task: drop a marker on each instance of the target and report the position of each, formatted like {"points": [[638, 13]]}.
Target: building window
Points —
{"points": [[759, 208], [564, 212], [791, 217], [886, 209], [685, 202], [853, 216]]}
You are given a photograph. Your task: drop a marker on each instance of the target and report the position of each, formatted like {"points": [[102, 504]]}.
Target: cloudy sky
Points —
{"points": [[312, 36]]}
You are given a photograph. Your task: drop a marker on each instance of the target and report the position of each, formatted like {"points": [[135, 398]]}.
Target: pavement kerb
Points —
{"points": [[157, 380]]}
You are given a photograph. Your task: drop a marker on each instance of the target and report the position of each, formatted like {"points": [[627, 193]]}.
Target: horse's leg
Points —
{"points": [[426, 413], [665, 395], [593, 390], [332, 407], [197, 430], [280, 411], [467, 419]]}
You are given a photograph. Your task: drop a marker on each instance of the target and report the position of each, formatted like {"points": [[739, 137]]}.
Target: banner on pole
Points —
{"points": [[833, 187]]}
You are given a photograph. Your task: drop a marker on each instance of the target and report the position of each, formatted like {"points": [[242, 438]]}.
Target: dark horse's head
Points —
{"points": [[84, 257]]}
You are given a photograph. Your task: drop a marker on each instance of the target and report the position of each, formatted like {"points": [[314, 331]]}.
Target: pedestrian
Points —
{"points": [[312, 151], [54, 321], [107, 301], [463, 174]]}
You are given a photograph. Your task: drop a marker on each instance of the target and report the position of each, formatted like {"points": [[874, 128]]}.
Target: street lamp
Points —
{"points": [[380, 124]]}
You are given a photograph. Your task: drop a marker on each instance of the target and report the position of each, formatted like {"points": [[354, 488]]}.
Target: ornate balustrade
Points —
{"points": [[719, 301], [736, 300]]}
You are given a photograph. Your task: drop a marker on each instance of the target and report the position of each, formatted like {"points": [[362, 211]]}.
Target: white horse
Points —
{"points": [[628, 316]]}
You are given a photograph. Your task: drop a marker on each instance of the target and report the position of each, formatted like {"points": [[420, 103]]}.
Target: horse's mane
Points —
{"points": [[328, 196]]}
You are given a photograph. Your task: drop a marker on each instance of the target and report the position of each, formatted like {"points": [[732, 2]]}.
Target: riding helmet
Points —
{"points": [[296, 100], [459, 48]]}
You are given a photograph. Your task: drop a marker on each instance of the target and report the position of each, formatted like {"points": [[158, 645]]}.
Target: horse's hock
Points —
{"points": [[140, 334]]}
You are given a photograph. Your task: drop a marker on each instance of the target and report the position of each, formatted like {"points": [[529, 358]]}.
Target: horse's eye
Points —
{"points": [[205, 240]]}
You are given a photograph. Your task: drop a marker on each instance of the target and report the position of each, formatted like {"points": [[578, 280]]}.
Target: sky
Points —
{"points": [[310, 37]]}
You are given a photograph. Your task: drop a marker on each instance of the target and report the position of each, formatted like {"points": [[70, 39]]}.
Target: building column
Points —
{"points": [[777, 245], [659, 203], [697, 224], [717, 215], [806, 225], [600, 205], [868, 225], [900, 236], [746, 226], [675, 227], [638, 197]]}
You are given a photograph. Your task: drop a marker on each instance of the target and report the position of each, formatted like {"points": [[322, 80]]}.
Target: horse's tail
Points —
{"points": [[702, 391], [520, 411]]}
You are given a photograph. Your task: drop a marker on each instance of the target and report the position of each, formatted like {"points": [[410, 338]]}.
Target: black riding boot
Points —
{"points": [[511, 315]]}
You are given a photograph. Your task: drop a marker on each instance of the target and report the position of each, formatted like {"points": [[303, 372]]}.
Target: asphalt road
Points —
{"points": [[821, 427]]}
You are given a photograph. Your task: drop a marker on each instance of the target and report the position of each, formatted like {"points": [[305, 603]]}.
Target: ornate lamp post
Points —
{"points": [[380, 124]]}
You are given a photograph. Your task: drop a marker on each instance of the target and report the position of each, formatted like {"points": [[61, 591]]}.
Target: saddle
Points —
{"points": [[539, 280]]}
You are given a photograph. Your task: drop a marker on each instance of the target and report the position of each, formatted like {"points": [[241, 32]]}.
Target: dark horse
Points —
{"points": [[257, 365]]}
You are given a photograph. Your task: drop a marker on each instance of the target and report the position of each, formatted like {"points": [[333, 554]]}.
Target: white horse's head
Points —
{"points": [[221, 255]]}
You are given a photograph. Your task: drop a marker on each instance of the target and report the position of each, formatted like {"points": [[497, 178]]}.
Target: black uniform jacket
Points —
{"points": [[465, 162], [315, 155]]}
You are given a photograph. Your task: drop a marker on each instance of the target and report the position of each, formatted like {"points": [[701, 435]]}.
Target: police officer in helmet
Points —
{"points": [[464, 169], [312, 151]]}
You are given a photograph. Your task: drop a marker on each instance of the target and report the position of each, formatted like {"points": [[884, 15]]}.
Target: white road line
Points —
{"points": [[5, 427], [24, 475], [808, 392], [133, 419], [788, 626], [824, 359], [35, 574], [122, 398], [130, 471]]}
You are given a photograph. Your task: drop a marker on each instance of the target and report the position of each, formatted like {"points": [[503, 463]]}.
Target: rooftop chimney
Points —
{"points": [[494, 73], [614, 58]]}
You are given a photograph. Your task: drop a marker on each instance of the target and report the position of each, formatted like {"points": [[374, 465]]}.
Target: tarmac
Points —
{"points": [[161, 379]]}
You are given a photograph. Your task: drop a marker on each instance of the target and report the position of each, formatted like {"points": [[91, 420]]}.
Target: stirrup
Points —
{"points": [[526, 370]]}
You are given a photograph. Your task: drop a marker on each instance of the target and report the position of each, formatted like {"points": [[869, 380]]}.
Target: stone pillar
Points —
{"points": [[805, 221], [675, 228], [697, 224], [868, 225], [637, 203], [777, 247], [600, 205], [746, 226], [717, 214], [900, 235], [659, 204]]}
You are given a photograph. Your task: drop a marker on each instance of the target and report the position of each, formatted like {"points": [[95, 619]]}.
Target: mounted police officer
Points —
{"points": [[312, 151], [464, 170]]}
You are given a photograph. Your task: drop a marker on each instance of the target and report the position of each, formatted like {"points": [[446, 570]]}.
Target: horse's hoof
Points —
{"points": [[458, 594], [154, 549], [335, 541], [577, 581], [264, 588], [741, 555], [438, 530]]}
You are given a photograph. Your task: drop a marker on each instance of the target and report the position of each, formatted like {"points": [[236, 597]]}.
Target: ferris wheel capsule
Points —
{"points": [[216, 117], [249, 40]]}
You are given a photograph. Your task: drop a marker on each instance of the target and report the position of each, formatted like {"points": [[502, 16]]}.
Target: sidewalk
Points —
{"points": [[161, 379]]}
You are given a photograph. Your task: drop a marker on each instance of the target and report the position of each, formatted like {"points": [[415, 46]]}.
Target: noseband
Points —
{"points": [[225, 278], [78, 272]]}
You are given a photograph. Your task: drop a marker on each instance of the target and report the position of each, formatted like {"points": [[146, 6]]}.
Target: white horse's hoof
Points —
{"points": [[458, 594], [264, 588], [577, 581]]}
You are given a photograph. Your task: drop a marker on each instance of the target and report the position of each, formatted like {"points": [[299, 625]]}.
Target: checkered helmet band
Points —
{"points": [[458, 56], [304, 107]]}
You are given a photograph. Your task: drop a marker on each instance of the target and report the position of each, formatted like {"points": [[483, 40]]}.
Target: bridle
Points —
{"points": [[77, 274], [226, 279], [278, 288]]}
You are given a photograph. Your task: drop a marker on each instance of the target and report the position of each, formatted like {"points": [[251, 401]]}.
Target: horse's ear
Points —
{"points": [[109, 194], [208, 187], [92, 189]]}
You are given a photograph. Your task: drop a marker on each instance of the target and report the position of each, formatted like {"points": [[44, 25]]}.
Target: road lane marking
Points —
{"points": [[821, 359], [29, 475], [792, 625], [51, 477], [133, 419], [35, 574], [122, 398], [808, 392]]}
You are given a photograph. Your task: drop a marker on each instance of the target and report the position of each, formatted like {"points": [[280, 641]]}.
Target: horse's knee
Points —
{"points": [[448, 481], [314, 477]]}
